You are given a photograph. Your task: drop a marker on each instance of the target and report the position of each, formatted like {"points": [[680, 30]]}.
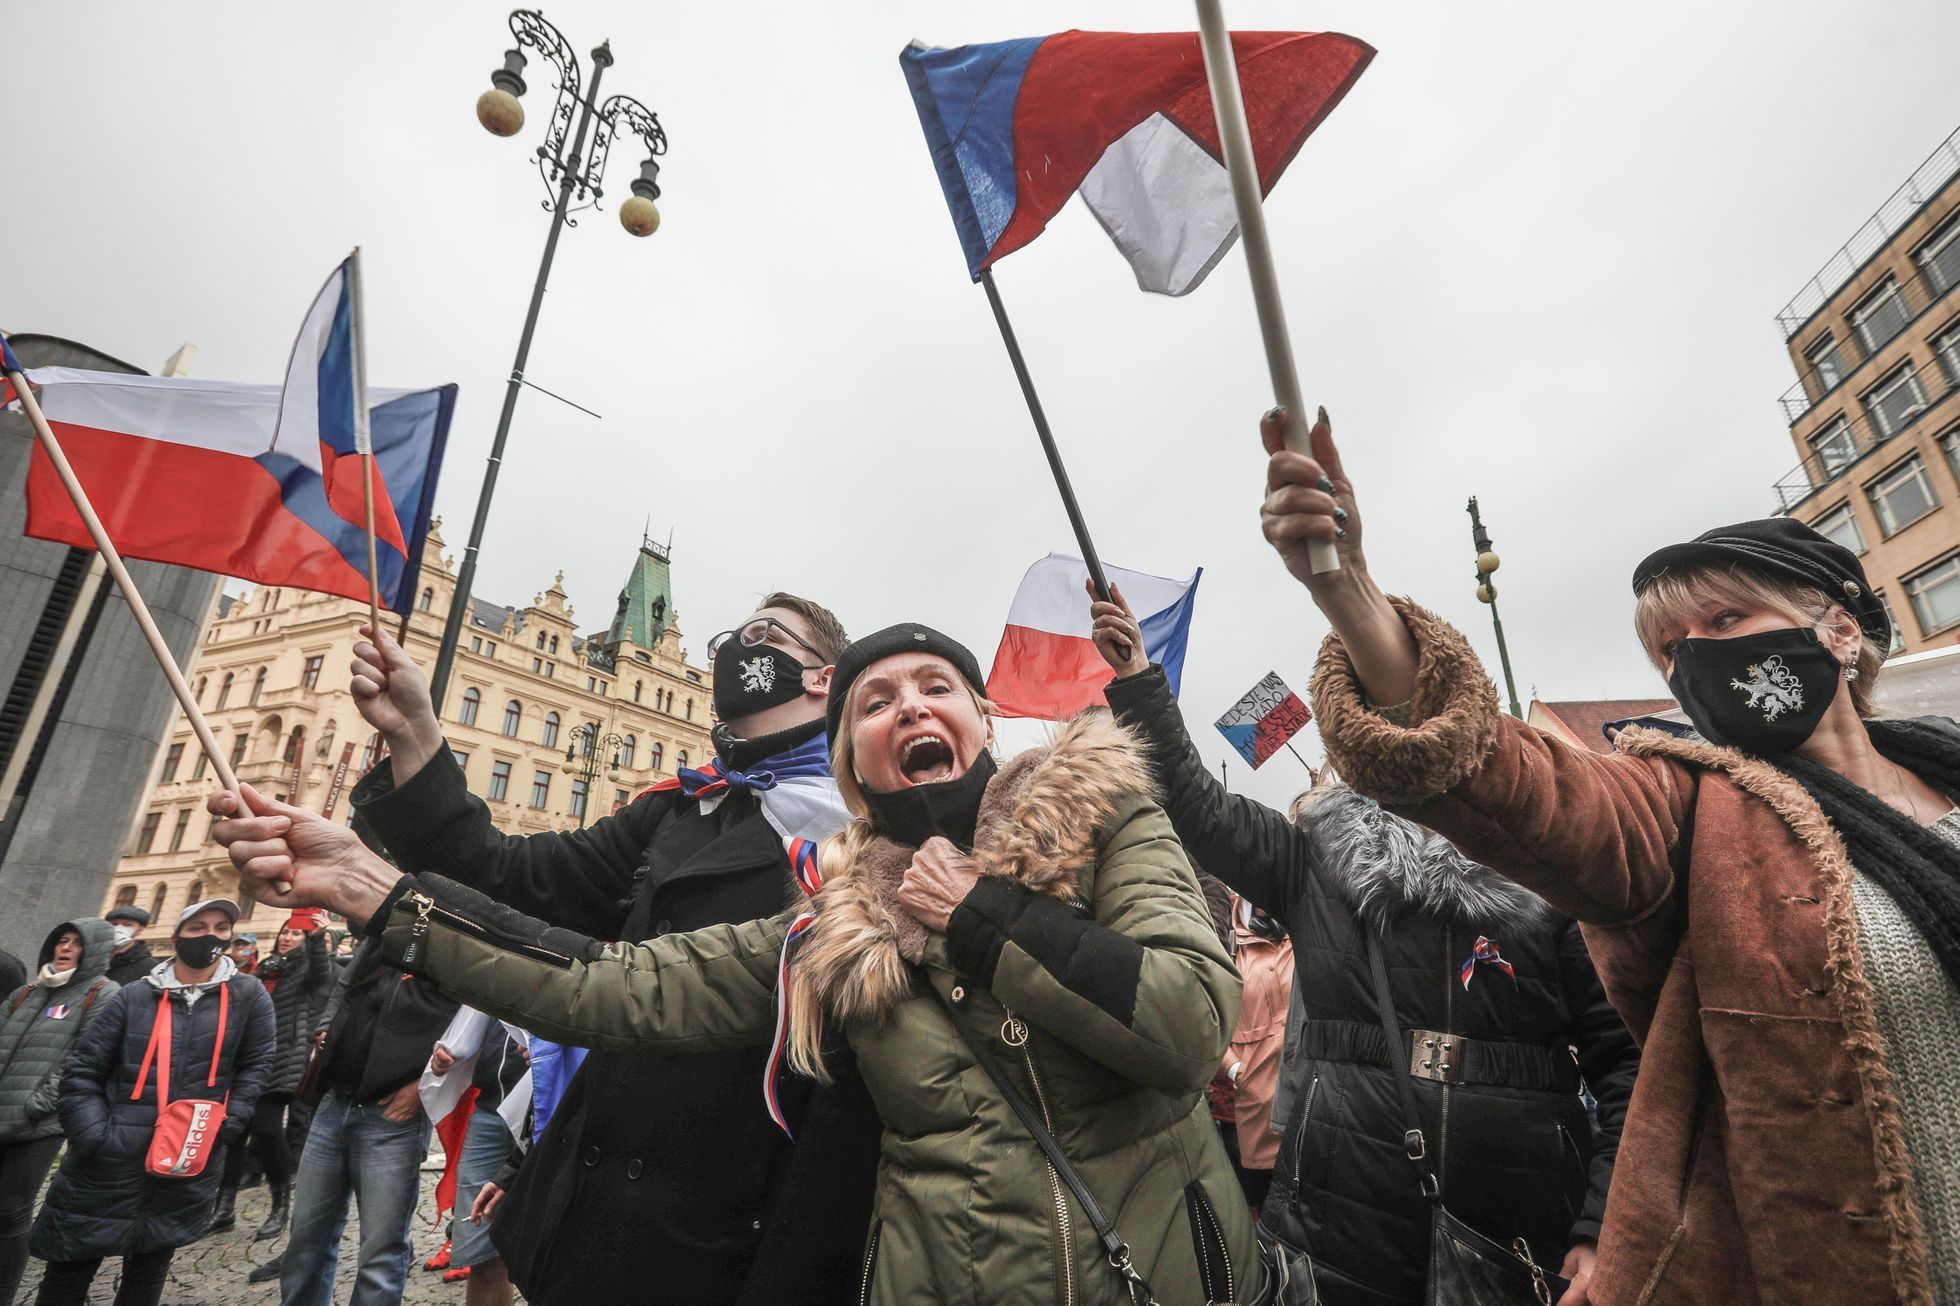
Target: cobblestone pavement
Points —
{"points": [[211, 1271]]}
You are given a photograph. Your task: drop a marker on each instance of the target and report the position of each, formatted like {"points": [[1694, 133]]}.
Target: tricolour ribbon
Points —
{"points": [[1485, 951]]}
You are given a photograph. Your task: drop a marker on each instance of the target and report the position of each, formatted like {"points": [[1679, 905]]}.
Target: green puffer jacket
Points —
{"points": [[40, 1026], [1085, 959]]}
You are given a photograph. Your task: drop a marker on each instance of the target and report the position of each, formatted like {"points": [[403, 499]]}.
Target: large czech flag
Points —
{"points": [[1016, 127], [189, 472], [1047, 667]]}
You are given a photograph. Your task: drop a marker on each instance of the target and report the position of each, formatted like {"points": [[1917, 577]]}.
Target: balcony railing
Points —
{"points": [[1926, 181], [1920, 294], [1818, 471]]}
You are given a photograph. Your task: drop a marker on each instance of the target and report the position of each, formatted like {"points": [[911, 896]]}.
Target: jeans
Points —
{"points": [[487, 1147], [67, 1282], [354, 1150]]}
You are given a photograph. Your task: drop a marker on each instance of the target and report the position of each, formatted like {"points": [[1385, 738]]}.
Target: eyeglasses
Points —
{"points": [[756, 633]]}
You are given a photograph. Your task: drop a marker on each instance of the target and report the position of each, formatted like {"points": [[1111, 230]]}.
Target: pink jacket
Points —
{"points": [[1260, 1038]]}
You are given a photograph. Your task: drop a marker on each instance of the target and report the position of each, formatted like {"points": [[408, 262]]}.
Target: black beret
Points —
{"points": [[1787, 549], [136, 914], [906, 637]]}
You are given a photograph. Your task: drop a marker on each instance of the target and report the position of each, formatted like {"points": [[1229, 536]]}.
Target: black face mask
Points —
{"points": [[1762, 693], [950, 808], [199, 950], [751, 679]]}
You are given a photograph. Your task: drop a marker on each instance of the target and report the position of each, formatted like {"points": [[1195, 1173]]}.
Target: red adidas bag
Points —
{"points": [[186, 1131]]}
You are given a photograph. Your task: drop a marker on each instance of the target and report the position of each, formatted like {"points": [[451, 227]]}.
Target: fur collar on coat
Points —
{"points": [[1042, 820], [1384, 866]]}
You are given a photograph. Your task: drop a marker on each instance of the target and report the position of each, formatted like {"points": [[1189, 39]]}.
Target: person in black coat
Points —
{"points": [[661, 1178], [133, 959], [1507, 1133], [104, 1202]]}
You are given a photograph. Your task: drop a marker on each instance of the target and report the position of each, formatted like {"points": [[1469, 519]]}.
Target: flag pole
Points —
{"points": [[363, 436], [120, 574], [1222, 70]]}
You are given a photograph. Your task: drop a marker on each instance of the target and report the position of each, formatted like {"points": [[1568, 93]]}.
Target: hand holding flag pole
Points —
{"points": [[1221, 69]]}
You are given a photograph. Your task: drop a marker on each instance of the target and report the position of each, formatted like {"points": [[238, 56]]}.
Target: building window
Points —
{"points": [[202, 681], [427, 600], [462, 761], [372, 753], [591, 685], [537, 666], [554, 643], [489, 648], [1902, 496], [224, 691], [476, 643], [238, 747], [636, 691], [157, 899], [177, 835], [126, 896], [294, 743], [258, 686], [197, 892], [172, 758], [587, 736], [513, 713], [550, 670], [540, 788], [694, 676], [1894, 401], [1947, 345], [466, 713], [147, 836], [690, 709], [549, 735], [1898, 631], [578, 799], [198, 767], [1935, 594], [541, 641], [680, 759], [310, 678], [654, 752], [1939, 258], [619, 800], [1841, 526], [1834, 447], [1950, 442], [499, 782], [626, 749], [1880, 316], [1826, 364]]}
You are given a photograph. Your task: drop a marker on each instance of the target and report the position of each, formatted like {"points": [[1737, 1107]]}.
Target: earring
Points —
{"points": [[1851, 673]]}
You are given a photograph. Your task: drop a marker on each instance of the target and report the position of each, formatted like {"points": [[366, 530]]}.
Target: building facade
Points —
{"points": [[1875, 412], [531, 705]]}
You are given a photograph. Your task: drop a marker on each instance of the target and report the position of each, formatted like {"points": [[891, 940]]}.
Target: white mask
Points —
{"points": [[124, 934]]}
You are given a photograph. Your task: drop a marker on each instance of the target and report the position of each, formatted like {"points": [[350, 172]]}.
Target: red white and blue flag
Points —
{"points": [[1016, 127], [1048, 667], [1484, 953], [1261, 723]]}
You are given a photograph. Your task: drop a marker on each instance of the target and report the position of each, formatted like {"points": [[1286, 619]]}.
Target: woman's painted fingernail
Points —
{"points": [[1275, 413], [1326, 486], [1340, 532], [1323, 415], [1340, 513]]}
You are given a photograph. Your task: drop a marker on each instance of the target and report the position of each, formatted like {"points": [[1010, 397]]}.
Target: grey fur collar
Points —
{"points": [[1385, 866]]}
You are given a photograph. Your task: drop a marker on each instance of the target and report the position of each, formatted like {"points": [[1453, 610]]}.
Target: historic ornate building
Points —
{"points": [[529, 703]]}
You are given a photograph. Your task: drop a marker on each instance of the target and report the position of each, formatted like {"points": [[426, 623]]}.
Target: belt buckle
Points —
{"points": [[1436, 1056]]}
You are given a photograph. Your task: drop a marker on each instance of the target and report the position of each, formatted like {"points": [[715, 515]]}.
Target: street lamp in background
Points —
{"points": [[1487, 593], [582, 756], [576, 172]]}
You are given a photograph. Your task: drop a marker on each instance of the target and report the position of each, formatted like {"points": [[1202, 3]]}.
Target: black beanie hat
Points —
{"points": [[1787, 549], [906, 637]]}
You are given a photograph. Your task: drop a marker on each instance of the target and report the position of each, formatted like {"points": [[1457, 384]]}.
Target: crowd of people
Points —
{"points": [[876, 1017]]}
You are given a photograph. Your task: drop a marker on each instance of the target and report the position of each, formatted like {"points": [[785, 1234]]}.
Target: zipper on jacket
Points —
{"points": [[1014, 1033], [1300, 1136], [427, 909], [1208, 1235], [870, 1260], [1449, 1027]]}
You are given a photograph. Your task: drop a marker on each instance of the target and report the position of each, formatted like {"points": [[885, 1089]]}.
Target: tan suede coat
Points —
{"points": [[1762, 1159]]}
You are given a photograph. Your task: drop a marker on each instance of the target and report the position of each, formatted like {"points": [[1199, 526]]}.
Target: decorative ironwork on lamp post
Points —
{"points": [[1487, 593], [576, 173], [582, 756]]}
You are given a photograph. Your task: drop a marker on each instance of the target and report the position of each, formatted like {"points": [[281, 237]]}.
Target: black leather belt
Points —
{"points": [[1449, 1058]]}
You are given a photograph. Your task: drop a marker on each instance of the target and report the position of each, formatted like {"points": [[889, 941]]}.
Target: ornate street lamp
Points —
{"points": [[1487, 593], [576, 172], [582, 756]]}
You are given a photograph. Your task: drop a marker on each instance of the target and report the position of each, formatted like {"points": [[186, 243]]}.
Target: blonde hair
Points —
{"points": [[1675, 596]]}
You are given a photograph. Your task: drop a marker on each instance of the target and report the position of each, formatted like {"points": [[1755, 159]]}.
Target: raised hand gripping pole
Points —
{"points": [[1222, 70]]}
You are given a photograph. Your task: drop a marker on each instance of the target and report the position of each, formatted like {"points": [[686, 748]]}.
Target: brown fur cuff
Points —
{"points": [[1453, 715]]}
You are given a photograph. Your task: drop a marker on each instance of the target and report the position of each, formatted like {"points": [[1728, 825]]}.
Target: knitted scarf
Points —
{"points": [[1919, 868]]}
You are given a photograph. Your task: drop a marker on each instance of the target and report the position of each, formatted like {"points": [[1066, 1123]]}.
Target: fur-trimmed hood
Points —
{"points": [[1041, 822], [1385, 866]]}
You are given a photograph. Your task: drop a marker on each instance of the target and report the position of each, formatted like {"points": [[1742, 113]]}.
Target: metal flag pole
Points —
{"points": [[363, 435], [1222, 70], [120, 574], [1069, 505]]}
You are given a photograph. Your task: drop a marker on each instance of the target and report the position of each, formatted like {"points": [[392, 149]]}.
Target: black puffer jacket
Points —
{"points": [[103, 1202], [1511, 1141], [305, 978]]}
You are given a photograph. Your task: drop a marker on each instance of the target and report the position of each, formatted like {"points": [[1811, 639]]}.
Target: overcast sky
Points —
{"points": [[1535, 257]]}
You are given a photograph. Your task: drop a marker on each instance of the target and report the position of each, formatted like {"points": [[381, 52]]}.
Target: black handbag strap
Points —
{"points": [[1414, 1145], [1117, 1250]]}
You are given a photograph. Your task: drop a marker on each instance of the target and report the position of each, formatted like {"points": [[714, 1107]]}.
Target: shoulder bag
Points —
{"points": [[186, 1131]]}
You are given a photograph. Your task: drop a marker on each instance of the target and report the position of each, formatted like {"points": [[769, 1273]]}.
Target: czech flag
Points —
{"points": [[203, 474], [1016, 127], [1261, 723], [1047, 666]]}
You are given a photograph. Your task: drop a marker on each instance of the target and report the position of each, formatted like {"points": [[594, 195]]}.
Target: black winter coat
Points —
{"points": [[305, 978], [102, 1201], [134, 965], [1511, 1142], [659, 1178]]}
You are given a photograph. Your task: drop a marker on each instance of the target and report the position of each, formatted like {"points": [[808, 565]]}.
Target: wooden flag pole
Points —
{"points": [[363, 436], [1222, 70], [120, 574]]}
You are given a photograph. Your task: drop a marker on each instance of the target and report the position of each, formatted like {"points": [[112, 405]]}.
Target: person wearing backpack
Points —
{"points": [[39, 1027], [160, 1083]]}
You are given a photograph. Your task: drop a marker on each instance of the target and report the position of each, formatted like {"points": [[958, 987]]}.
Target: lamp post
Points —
{"points": [[1487, 593], [575, 171], [582, 756]]}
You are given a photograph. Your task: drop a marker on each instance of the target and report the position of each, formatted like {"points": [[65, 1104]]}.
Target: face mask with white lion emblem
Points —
{"points": [[751, 678], [1761, 693]]}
